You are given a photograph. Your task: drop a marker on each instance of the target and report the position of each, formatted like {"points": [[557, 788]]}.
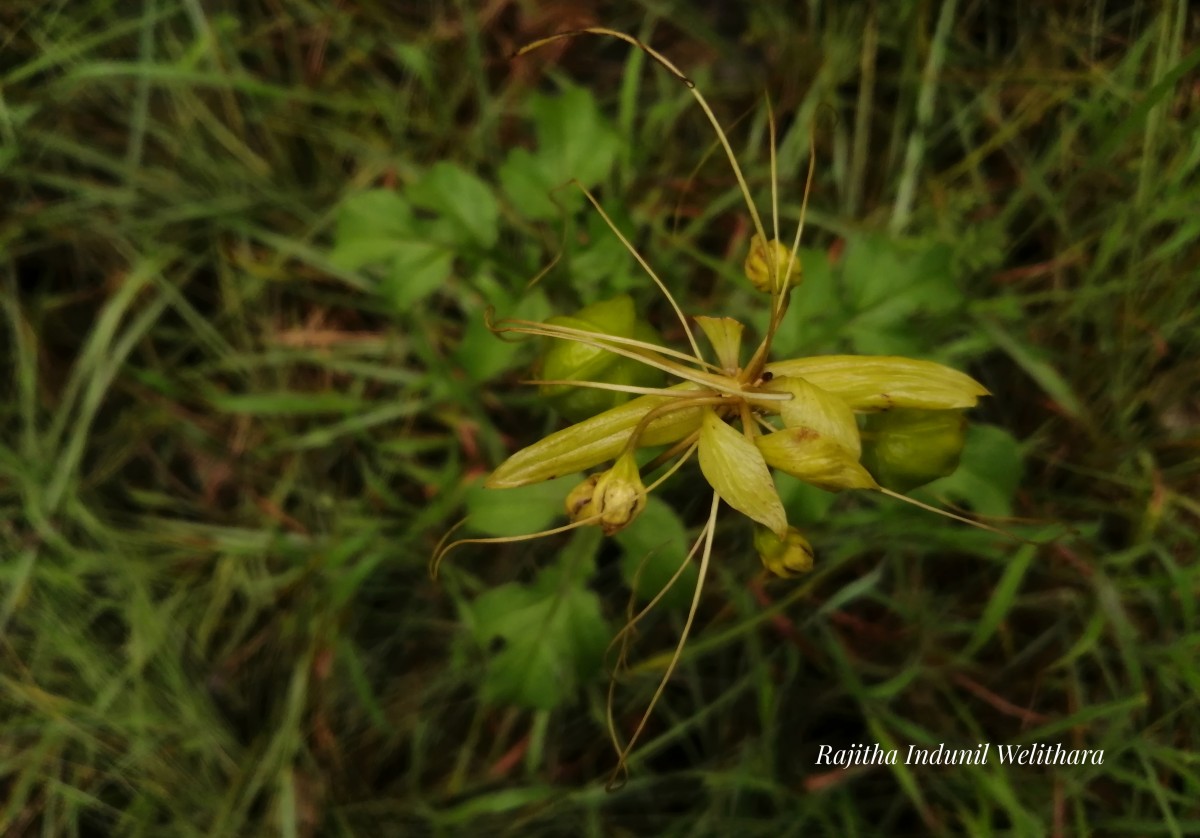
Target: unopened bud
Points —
{"points": [[614, 497], [765, 265], [789, 556], [904, 449], [567, 360]]}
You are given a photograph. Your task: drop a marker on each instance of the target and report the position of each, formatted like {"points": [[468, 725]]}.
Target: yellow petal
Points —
{"points": [[803, 453], [737, 471], [881, 382], [725, 334], [596, 440], [812, 407]]}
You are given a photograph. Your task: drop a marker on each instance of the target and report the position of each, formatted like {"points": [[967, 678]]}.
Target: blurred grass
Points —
{"points": [[226, 456]]}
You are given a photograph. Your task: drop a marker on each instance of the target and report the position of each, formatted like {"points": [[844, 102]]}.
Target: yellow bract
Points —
{"points": [[725, 335], [737, 472], [881, 382], [816, 409], [598, 440]]}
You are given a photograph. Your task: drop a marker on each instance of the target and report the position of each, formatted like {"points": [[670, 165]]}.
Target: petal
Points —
{"points": [[812, 407], [595, 441], [803, 453], [881, 382], [737, 471], [725, 334]]}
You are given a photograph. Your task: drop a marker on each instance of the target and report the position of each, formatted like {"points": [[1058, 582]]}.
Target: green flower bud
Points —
{"points": [[617, 496], [790, 556], [571, 361], [904, 449], [759, 270]]}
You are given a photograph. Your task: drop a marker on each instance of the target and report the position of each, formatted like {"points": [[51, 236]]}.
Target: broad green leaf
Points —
{"points": [[518, 511], [734, 467], [817, 315], [872, 296], [417, 269], [527, 185], [368, 226], [653, 548], [604, 266], [376, 228], [461, 196], [574, 139], [543, 639], [887, 279], [483, 355], [872, 382], [988, 472]]}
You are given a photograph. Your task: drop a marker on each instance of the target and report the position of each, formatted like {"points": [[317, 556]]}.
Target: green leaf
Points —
{"points": [[574, 139], [889, 282], [654, 546], [885, 278], [461, 196], [817, 315], [519, 511], [737, 471], [482, 354], [988, 473], [574, 142], [544, 639], [285, 404], [1002, 600], [367, 227], [527, 185], [1033, 362], [376, 228], [417, 269]]}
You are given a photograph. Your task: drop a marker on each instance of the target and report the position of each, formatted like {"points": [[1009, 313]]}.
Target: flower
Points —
{"points": [[741, 419]]}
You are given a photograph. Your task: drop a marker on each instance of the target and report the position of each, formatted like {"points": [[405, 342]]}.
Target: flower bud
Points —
{"points": [[615, 497], [760, 271], [567, 360], [789, 556], [904, 449]]}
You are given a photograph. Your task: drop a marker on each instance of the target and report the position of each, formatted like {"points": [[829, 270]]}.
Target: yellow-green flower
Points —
{"points": [[741, 417]]}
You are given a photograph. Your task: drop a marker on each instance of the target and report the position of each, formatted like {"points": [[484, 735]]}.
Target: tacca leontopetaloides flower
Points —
{"points": [[740, 417]]}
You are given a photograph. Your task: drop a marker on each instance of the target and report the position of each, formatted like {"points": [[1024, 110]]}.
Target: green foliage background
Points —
{"points": [[246, 252]]}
